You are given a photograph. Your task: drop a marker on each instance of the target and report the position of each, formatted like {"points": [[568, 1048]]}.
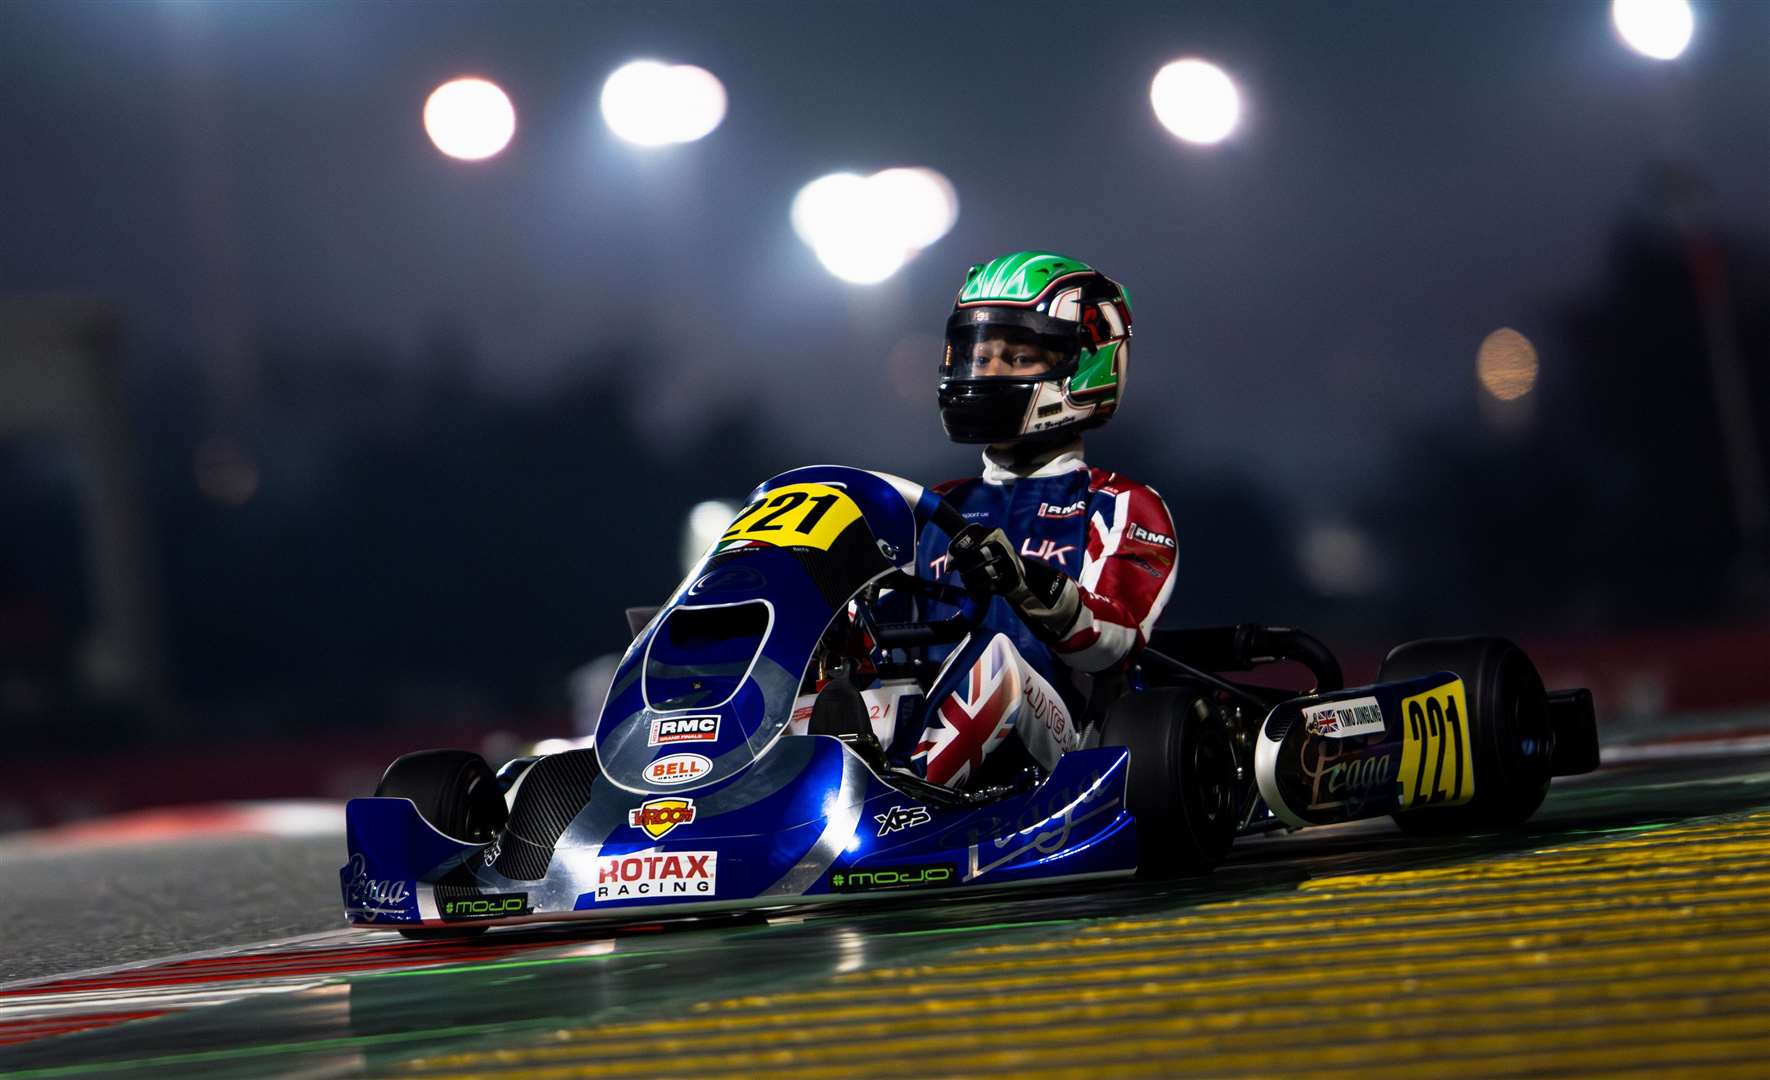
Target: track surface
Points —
{"points": [[1629, 930]]}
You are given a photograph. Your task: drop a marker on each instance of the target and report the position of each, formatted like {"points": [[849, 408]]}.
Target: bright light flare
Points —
{"points": [[1657, 28], [705, 524], [649, 103], [1195, 101], [865, 228], [469, 119], [1506, 364]]}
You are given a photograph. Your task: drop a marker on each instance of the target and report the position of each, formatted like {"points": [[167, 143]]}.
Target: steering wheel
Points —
{"points": [[972, 605]]}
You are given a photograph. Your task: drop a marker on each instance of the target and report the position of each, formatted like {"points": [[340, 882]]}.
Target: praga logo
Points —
{"points": [[370, 898], [679, 873], [486, 907], [1346, 779], [1052, 510], [1148, 536], [675, 729], [897, 877], [677, 769], [658, 816]]}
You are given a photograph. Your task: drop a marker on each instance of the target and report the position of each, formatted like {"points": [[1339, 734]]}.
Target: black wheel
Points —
{"points": [[1510, 740], [1182, 782], [454, 790]]}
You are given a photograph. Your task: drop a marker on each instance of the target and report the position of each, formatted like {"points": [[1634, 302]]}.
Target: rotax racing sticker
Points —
{"points": [[651, 873]]}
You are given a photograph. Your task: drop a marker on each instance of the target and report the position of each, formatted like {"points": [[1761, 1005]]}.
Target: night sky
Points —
{"points": [[1408, 177]]}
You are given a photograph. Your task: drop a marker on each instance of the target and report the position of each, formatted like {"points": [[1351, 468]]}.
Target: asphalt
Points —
{"points": [[72, 909], [1628, 929]]}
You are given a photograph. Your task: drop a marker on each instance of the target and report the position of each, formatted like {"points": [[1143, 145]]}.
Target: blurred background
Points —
{"points": [[359, 363]]}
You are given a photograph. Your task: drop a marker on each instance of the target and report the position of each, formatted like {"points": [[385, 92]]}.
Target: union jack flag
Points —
{"points": [[973, 720]]}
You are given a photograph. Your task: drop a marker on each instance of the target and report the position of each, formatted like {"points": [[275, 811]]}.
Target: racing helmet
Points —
{"points": [[1039, 308]]}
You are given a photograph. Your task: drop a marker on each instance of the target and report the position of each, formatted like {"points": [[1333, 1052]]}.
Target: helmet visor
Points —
{"points": [[991, 343]]}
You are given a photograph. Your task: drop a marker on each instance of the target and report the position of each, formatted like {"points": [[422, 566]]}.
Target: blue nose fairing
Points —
{"points": [[710, 684]]}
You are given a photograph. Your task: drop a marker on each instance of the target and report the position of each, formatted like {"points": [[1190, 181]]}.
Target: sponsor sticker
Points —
{"points": [[658, 816], [1437, 767], [1346, 778], [677, 769], [1344, 719], [491, 906], [1052, 510], [793, 515], [1149, 536], [369, 899], [650, 873], [896, 877], [899, 818], [678, 729]]}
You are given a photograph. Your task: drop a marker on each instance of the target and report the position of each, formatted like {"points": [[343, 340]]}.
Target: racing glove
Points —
{"points": [[1045, 597]]}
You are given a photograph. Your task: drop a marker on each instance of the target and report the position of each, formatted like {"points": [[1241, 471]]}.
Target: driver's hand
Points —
{"points": [[985, 561], [1044, 596]]}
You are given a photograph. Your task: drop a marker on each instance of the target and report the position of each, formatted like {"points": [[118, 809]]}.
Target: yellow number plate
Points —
{"points": [[797, 515], [1437, 767]]}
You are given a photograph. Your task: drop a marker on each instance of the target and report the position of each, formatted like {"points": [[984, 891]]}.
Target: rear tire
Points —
{"points": [[454, 790], [1510, 740], [1181, 779]]}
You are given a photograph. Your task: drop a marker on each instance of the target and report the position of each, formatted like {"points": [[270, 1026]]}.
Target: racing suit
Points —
{"points": [[1114, 538]]}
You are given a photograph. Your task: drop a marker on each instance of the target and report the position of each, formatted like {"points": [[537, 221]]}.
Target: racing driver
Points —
{"points": [[1080, 561]]}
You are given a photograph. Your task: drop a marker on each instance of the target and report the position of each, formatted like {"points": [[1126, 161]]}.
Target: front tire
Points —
{"points": [[454, 790], [459, 795], [1181, 779], [1511, 742]]}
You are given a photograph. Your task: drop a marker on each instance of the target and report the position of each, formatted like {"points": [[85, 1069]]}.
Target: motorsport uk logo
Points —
{"points": [[678, 873]]}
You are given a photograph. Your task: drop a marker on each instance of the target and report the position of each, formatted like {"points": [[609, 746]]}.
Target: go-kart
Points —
{"points": [[699, 793]]}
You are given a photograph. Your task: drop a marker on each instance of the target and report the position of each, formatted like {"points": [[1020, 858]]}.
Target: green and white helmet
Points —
{"points": [[1036, 347]]}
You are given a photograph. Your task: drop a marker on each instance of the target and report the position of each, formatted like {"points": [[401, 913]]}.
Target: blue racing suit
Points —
{"points": [[1114, 538]]}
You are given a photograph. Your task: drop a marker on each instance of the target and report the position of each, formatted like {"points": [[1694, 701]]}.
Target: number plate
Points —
{"points": [[797, 515], [1437, 767]]}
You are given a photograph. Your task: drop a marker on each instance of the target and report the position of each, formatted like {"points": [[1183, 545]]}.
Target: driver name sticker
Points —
{"points": [[1437, 766], [1344, 719], [795, 515]]}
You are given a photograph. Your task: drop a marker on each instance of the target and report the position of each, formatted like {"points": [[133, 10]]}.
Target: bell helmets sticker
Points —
{"points": [[676, 729], [677, 769], [658, 816]]}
